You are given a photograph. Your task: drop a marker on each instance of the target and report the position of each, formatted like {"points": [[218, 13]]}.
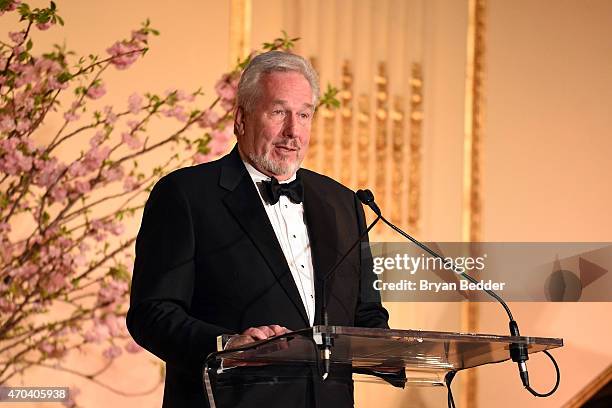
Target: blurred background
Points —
{"points": [[470, 120]]}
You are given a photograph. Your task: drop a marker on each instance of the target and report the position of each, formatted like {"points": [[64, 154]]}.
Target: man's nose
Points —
{"points": [[291, 128]]}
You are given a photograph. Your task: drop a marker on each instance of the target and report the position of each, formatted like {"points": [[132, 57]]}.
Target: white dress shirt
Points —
{"points": [[289, 225]]}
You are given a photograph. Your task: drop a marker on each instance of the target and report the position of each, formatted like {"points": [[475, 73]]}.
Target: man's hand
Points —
{"points": [[250, 335], [253, 334]]}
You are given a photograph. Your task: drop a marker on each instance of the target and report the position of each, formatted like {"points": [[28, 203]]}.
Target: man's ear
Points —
{"points": [[239, 122]]}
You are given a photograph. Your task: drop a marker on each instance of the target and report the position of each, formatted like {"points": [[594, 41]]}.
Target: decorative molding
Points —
{"points": [[398, 181], [382, 114], [240, 30], [416, 129], [363, 139], [329, 142], [313, 146], [472, 186], [346, 125]]}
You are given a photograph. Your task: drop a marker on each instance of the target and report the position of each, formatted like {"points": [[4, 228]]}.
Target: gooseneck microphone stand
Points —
{"points": [[518, 352]]}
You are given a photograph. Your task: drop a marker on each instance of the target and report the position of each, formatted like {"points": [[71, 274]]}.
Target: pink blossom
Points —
{"points": [[5, 228], [71, 116], [77, 169], [48, 171], [6, 306], [112, 291], [96, 225], [97, 139], [112, 174], [12, 5], [94, 157], [97, 333], [130, 184], [139, 35], [132, 141], [7, 124], [116, 326], [17, 37], [46, 347], [180, 95], [222, 135], [59, 193], [227, 104], [226, 88], [133, 124], [80, 260], [198, 158], [135, 103], [209, 118], [53, 83], [112, 352], [53, 350], [96, 91], [24, 162], [178, 112], [45, 65], [55, 282], [28, 75], [115, 228], [132, 347], [82, 187], [44, 26], [124, 54], [23, 125]]}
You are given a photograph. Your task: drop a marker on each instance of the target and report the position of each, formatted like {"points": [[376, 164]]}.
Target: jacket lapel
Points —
{"points": [[323, 236], [245, 205]]}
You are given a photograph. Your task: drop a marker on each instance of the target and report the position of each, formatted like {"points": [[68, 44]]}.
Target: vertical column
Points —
{"points": [[240, 30], [382, 113], [414, 172], [472, 198], [346, 128]]}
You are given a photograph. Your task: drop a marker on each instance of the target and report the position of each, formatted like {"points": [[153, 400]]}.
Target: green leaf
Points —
{"points": [[64, 77], [119, 272], [29, 44]]}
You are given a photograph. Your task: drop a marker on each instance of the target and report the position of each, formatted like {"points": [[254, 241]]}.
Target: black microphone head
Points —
{"points": [[365, 196]]}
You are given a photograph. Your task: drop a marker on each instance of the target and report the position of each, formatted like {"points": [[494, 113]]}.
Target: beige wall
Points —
{"points": [[547, 173], [547, 133]]}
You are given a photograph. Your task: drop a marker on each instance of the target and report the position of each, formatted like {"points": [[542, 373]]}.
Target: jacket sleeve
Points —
{"points": [[163, 283], [369, 312]]}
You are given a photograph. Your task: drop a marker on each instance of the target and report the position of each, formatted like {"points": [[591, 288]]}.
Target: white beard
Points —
{"points": [[273, 167]]}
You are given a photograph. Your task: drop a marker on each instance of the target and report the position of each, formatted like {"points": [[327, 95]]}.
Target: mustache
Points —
{"points": [[289, 145]]}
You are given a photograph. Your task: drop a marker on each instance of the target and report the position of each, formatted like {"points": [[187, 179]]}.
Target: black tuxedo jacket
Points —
{"points": [[208, 262]]}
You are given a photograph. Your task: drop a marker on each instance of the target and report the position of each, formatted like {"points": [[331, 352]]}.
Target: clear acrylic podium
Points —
{"points": [[425, 357]]}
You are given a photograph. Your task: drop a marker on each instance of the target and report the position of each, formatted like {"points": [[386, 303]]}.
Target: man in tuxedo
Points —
{"points": [[241, 245]]}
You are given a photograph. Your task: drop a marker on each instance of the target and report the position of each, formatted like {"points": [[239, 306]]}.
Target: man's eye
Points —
{"points": [[305, 115], [278, 112]]}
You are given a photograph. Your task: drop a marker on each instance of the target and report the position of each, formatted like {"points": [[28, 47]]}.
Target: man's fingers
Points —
{"points": [[263, 332], [278, 330], [256, 333]]}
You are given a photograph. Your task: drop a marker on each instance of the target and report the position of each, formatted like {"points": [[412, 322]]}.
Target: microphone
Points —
{"points": [[326, 340], [367, 198], [518, 352]]}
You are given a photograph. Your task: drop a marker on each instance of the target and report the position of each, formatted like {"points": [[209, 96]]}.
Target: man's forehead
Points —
{"points": [[284, 102]]}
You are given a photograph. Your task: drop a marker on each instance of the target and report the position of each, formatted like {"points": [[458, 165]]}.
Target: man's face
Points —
{"points": [[274, 136]]}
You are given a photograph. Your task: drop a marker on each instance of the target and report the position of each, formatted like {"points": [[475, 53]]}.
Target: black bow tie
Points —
{"points": [[273, 190]]}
